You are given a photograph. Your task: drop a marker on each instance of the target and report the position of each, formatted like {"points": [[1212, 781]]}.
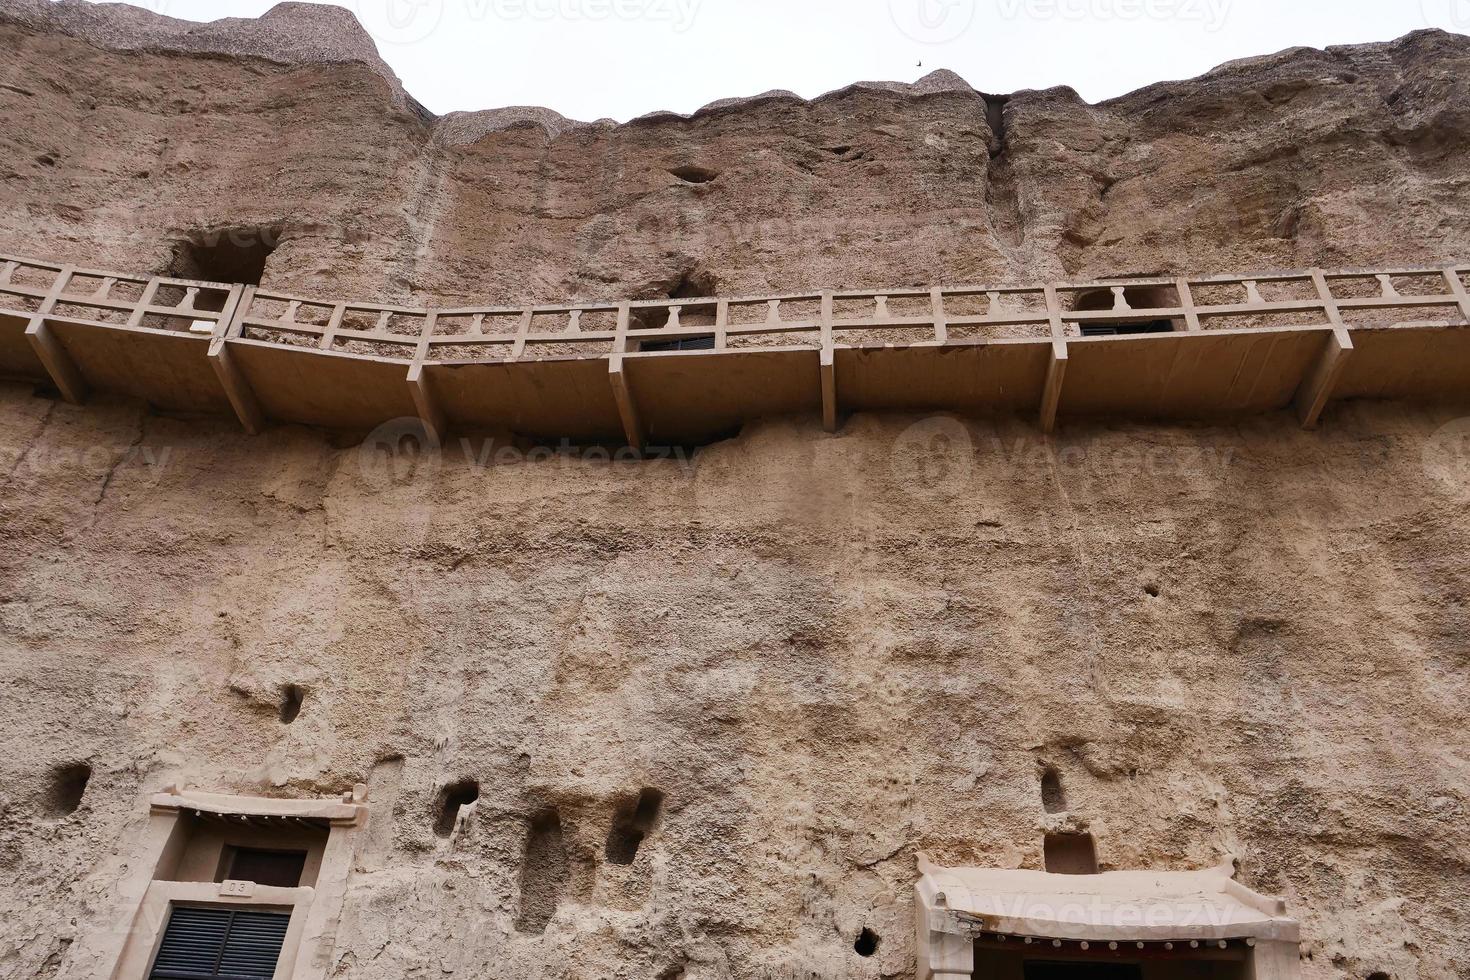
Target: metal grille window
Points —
{"points": [[706, 342], [210, 943]]}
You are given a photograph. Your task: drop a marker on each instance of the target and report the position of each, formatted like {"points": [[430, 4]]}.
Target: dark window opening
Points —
{"points": [[1126, 329], [1070, 854], [693, 174], [632, 825], [1137, 298], [1054, 970], [1102, 962], [228, 255], [691, 284], [68, 786], [279, 869], [203, 943], [866, 943], [452, 799], [291, 697], [703, 342], [1053, 800]]}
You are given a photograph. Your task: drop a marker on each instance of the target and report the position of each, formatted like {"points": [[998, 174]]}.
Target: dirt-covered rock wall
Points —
{"points": [[810, 655]]}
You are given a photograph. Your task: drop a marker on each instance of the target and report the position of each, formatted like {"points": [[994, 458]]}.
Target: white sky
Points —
{"points": [[622, 58]]}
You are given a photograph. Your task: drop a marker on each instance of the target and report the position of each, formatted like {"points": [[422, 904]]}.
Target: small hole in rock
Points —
{"points": [[866, 943], [1053, 800], [632, 825], [1070, 854], [68, 786], [291, 697], [1379, 975], [452, 799], [1152, 589], [544, 872], [694, 174], [838, 150]]}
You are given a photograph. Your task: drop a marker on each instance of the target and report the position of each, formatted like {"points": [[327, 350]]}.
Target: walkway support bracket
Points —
{"points": [[1056, 369], [237, 388], [1316, 391], [828, 367], [55, 358], [621, 389], [429, 411]]}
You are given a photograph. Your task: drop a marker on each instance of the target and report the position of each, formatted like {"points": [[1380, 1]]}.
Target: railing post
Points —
{"points": [[54, 356], [828, 366], [334, 323], [135, 319], [941, 325], [227, 312], [722, 322], [518, 347], [1457, 286], [1186, 300]]}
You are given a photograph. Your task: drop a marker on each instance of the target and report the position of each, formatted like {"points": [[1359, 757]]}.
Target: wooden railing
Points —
{"points": [[825, 321]]}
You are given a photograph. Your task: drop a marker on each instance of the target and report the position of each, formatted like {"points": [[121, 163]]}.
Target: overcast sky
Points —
{"points": [[623, 58]]}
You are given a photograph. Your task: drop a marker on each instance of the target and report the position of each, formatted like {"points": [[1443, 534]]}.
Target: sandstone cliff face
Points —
{"points": [[826, 652]]}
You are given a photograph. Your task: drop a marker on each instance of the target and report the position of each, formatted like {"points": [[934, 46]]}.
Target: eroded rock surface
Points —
{"points": [[823, 652]]}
